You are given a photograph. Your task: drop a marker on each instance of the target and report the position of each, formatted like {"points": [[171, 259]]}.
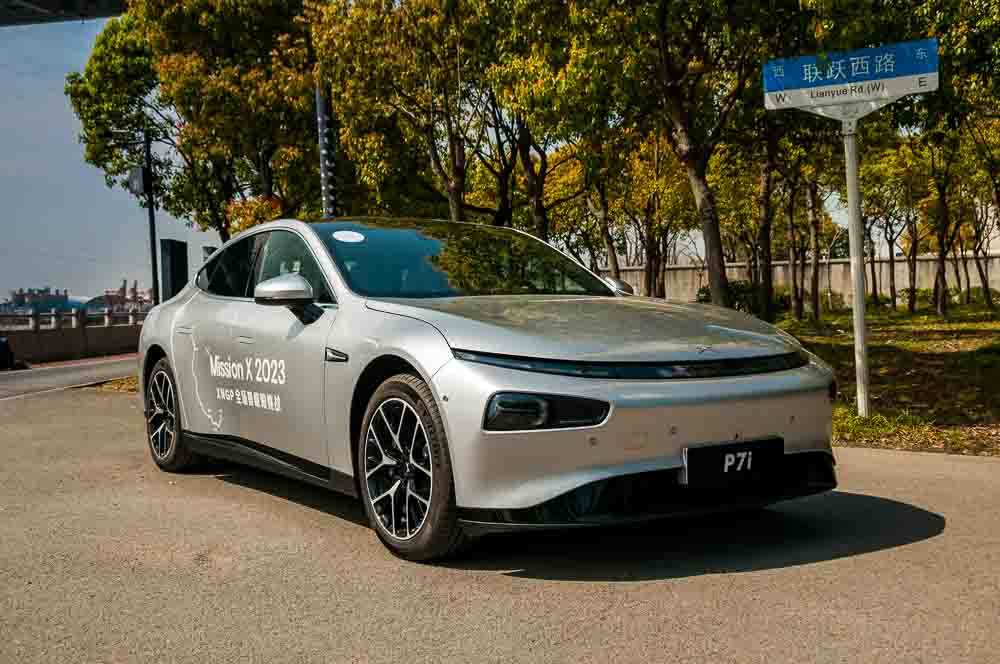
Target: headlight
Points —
{"points": [[643, 370], [516, 411]]}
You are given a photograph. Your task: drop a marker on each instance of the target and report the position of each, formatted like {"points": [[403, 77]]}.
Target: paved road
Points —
{"points": [[103, 558], [41, 379]]}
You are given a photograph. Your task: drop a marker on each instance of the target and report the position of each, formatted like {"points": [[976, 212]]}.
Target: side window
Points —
{"points": [[228, 272], [286, 252]]}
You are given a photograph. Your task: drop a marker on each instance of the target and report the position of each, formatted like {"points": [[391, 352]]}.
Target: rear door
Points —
{"points": [[207, 366], [282, 402]]}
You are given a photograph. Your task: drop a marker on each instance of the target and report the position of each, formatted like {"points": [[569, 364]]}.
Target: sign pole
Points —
{"points": [[856, 234], [847, 86]]}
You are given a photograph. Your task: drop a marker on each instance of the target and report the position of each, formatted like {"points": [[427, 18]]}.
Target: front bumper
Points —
{"points": [[652, 496], [646, 431]]}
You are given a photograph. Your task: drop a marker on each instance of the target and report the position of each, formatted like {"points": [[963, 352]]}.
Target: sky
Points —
{"points": [[60, 225]]}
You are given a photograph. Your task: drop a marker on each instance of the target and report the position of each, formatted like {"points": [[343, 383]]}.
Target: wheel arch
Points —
{"points": [[374, 374], [154, 354]]}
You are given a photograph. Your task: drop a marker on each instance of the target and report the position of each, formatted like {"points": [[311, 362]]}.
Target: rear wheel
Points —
{"points": [[163, 421], [404, 469]]}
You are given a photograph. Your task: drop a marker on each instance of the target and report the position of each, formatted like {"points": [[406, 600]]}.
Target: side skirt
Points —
{"points": [[248, 452]]}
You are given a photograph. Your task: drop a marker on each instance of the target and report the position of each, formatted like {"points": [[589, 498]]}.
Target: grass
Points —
{"points": [[130, 384], [934, 383]]}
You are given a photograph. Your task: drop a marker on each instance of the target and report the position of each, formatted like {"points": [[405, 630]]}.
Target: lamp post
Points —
{"points": [[327, 157], [140, 182]]}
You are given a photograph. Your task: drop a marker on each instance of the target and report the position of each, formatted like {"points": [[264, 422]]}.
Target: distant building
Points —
{"points": [[123, 299], [42, 299]]}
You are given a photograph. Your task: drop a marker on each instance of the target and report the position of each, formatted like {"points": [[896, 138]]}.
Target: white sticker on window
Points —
{"points": [[348, 236]]}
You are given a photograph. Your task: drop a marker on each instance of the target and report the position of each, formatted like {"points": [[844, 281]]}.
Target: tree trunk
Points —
{"points": [[708, 216], [455, 209], [802, 281], [504, 215], [941, 279], [891, 243], [892, 278], [534, 179], [661, 281], [600, 210], [793, 271], [984, 279], [968, 279], [812, 204], [956, 268], [454, 184], [591, 253], [911, 268], [652, 271], [765, 293], [871, 265]]}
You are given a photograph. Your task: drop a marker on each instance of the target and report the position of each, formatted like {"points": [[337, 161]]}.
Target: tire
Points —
{"points": [[166, 444], [402, 426]]}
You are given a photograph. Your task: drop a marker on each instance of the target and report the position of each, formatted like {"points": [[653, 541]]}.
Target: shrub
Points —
{"points": [[831, 302], [743, 297], [925, 296], [977, 295]]}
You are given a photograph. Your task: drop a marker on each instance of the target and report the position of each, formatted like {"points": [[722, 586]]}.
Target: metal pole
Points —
{"points": [[856, 233], [147, 185], [326, 155]]}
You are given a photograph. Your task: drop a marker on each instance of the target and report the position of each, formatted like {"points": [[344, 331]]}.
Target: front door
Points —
{"points": [[205, 364], [282, 401]]}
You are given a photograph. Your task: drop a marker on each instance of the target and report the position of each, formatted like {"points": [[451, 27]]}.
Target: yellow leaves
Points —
{"points": [[244, 214]]}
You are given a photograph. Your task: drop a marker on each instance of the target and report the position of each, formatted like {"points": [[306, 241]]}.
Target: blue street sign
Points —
{"points": [[862, 75]]}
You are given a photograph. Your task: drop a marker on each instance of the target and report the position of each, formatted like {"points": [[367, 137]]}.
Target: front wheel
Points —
{"points": [[405, 472]]}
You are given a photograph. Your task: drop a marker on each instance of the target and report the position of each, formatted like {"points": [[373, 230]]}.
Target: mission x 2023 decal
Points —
{"points": [[254, 372]]}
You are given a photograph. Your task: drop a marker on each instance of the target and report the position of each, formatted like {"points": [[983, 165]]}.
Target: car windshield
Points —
{"points": [[411, 259]]}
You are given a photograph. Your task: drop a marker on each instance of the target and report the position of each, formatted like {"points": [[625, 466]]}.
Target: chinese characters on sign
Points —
{"points": [[837, 68], [856, 76]]}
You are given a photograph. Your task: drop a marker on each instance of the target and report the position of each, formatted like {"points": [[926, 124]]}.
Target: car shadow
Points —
{"points": [[815, 529], [829, 526], [314, 497]]}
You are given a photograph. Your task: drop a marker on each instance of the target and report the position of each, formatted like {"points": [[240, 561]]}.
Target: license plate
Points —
{"points": [[732, 464]]}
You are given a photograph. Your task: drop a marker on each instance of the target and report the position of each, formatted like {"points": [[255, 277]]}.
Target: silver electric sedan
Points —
{"points": [[464, 379]]}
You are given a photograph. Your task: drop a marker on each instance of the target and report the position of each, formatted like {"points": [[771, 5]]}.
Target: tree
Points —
{"points": [[118, 98], [683, 65], [978, 198], [418, 64], [658, 204]]}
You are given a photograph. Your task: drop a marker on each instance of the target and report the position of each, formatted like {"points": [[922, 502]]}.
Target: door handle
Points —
{"points": [[244, 340]]}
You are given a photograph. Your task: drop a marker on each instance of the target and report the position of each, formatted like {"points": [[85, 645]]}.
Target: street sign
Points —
{"points": [[847, 86], [880, 74], [135, 182]]}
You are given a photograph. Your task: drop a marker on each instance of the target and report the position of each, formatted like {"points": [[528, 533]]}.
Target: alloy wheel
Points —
{"points": [[161, 415], [398, 468]]}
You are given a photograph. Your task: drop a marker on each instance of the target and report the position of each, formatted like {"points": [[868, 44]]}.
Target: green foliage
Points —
{"points": [[614, 130], [743, 296]]}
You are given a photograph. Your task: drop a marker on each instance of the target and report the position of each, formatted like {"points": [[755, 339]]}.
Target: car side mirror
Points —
{"points": [[286, 290], [619, 286]]}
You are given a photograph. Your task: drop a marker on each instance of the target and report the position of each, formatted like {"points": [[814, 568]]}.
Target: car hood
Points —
{"points": [[605, 329]]}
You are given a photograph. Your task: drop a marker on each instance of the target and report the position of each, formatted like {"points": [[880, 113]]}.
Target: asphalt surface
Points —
{"points": [[65, 374], [103, 558]]}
